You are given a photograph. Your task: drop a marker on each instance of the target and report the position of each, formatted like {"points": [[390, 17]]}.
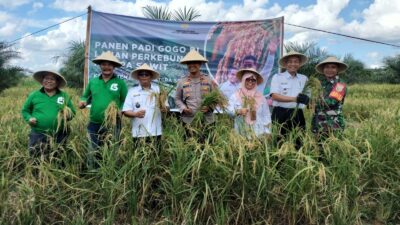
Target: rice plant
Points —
{"points": [[353, 179]]}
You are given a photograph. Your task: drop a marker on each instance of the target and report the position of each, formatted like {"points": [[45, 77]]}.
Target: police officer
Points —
{"points": [[191, 88]]}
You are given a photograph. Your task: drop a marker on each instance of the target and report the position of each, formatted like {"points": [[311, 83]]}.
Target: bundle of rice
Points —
{"points": [[313, 86], [250, 103], [161, 98], [64, 115], [213, 99], [111, 115]]}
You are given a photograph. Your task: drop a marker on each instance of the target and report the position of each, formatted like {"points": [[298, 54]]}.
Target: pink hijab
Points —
{"points": [[243, 93]]}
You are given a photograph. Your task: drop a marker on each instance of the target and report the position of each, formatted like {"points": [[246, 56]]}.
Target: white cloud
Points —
{"points": [[38, 51], [12, 26], [7, 30], [207, 10], [323, 15], [380, 22], [35, 7], [374, 66], [13, 3], [4, 16], [113, 6], [373, 55]]}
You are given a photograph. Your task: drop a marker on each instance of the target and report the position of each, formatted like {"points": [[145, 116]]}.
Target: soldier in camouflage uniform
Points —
{"points": [[328, 117]]}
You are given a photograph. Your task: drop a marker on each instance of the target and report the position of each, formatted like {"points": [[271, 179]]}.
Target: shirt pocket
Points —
{"points": [[285, 89]]}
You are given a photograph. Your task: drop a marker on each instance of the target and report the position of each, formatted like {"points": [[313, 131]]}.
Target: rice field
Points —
{"points": [[226, 180]]}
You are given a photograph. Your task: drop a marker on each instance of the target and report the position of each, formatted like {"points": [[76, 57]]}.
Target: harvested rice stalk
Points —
{"points": [[313, 86], [161, 98], [111, 115], [250, 103], [63, 117], [215, 98], [198, 122]]}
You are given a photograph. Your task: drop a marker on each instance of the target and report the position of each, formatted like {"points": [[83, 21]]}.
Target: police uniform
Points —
{"points": [[189, 93]]}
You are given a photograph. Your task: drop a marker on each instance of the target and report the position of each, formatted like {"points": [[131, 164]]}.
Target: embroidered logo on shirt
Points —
{"points": [[60, 100], [114, 87], [137, 105]]}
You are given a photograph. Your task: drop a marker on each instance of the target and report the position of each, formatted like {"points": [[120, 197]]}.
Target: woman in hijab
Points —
{"points": [[249, 106]]}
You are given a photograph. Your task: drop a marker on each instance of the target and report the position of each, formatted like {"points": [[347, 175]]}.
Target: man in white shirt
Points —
{"points": [[287, 96], [231, 85], [141, 105]]}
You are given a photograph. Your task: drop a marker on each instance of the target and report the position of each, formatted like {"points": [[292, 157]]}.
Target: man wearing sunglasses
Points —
{"points": [[141, 106]]}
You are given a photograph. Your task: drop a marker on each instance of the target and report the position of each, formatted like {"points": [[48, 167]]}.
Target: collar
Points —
{"points": [[289, 76], [112, 77], [42, 90], [334, 80], [141, 88]]}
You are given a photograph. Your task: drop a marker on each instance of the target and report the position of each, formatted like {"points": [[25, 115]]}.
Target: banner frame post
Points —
{"points": [[86, 66]]}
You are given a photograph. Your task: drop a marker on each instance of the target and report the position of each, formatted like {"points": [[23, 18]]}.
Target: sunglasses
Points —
{"points": [[144, 74], [251, 80]]}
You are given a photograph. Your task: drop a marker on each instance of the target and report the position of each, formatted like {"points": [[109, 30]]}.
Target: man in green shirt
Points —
{"points": [[101, 92], [42, 109]]}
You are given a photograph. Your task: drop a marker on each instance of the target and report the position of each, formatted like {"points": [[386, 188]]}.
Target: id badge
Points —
{"points": [[338, 91]]}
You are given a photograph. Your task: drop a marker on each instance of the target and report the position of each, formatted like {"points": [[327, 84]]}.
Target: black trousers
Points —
{"points": [[288, 120]]}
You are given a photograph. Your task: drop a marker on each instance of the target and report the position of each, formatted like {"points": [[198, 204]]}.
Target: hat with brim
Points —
{"points": [[193, 56], [331, 60], [241, 72], [145, 67], [39, 75], [109, 57], [283, 60]]}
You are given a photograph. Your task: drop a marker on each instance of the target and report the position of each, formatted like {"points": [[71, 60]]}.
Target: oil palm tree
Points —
{"points": [[312, 51], [9, 75], [74, 64], [163, 13]]}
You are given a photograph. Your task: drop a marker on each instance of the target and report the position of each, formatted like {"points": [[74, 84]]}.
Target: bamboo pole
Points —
{"points": [[86, 67], [282, 30]]}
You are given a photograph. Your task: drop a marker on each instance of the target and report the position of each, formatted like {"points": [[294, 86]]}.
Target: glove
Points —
{"points": [[303, 99]]}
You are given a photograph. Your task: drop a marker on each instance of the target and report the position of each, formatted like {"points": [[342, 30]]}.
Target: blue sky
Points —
{"points": [[372, 19]]}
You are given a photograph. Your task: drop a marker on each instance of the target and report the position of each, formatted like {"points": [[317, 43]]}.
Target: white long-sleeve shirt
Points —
{"points": [[138, 99]]}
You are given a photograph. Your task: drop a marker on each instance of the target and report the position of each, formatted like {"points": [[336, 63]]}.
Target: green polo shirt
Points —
{"points": [[45, 109], [101, 94]]}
